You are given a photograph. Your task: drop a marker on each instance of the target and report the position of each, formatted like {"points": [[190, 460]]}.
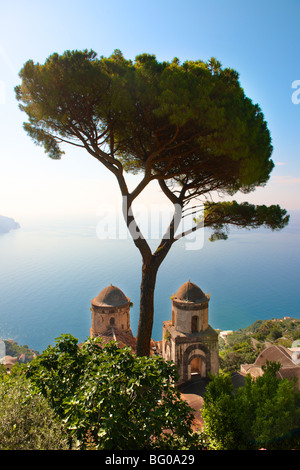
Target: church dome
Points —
{"points": [[190, 292], [110, 296]]}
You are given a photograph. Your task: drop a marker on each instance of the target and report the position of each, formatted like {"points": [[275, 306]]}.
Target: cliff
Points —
{"points": [[7, 224]]}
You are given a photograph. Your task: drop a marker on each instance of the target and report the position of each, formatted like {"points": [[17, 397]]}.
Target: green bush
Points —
{"points": [[27, 421], [232, 358], [110, 399], [263, 414]]}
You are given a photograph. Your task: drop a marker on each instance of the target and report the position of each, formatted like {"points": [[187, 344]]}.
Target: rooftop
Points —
{"points": [[190, 292], [110, 296]]}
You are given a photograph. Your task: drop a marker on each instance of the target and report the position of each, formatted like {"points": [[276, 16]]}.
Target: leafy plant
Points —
{"points": [[109, 397], [240, 353], [265, 413], [27, 421]]}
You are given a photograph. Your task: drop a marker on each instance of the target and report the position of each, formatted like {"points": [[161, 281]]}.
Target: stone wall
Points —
{"points": [[184, 348], [109, 317], [183, 315]]}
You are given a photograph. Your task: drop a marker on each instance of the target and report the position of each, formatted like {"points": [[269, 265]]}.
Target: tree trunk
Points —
{"points": [[151, 263], [149, 272]]}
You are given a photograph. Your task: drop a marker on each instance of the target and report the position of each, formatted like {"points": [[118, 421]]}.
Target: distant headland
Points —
{"points": [[7, 224]]}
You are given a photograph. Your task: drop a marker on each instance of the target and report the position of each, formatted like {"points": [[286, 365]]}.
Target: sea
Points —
{"points": [[50, 270]]}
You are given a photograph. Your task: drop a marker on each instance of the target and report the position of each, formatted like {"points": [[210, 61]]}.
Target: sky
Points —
{"points": [[259, 39]]}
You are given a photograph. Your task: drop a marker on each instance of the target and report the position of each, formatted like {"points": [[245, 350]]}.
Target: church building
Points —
{"points": [[188, 340], [111, 317]]}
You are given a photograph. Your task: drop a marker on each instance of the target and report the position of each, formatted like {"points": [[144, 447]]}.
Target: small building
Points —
{"points": [[224, 334], [9, 362], [110, 309], [111, 317], [288, 358], [188, 340]]}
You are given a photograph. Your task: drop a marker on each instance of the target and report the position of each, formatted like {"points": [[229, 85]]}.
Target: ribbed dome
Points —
{"points": [[110, 296], [190, 292]]}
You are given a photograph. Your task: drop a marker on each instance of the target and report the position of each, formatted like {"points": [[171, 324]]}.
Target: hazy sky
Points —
{"points": [[259, 39]]}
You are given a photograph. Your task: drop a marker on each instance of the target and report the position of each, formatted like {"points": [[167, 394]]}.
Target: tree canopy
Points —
{"points": [[189, 126], [190, 122]]}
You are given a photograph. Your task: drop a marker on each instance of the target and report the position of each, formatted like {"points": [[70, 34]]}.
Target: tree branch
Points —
{"points": [[191, 230], [160, 149], [170, 195], [139, 188], [59, 140], [134, 230]]}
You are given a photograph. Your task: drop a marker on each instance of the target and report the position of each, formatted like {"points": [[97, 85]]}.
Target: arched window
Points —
{"points": [[194, 325], [112, 321]]}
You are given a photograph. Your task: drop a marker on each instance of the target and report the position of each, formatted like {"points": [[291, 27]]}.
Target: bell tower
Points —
{"points": [[188, 340], [110, 309]]}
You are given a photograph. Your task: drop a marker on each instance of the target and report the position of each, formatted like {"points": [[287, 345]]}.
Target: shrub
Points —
{"points": [[27, 421], [110, 399], [265, 413], [240, 353]]}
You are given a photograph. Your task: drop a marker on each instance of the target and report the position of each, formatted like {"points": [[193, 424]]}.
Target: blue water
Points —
{"points": [[50, 271]]}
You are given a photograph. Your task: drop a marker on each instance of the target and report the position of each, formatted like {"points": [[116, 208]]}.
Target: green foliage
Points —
{"points": [[189, 122], [27, 421], [110, 398], [243, 346], [263, 414], [272, 330], [219, 412], [231, 358], [15, 350], [222, 214]]}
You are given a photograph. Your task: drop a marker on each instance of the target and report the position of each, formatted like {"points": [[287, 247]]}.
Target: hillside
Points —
{"points": [[22, 353], [241, 346], [7, 224], [244, 345]]}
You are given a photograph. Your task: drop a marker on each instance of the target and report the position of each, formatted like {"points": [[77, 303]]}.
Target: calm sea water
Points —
{"points": [[50, 271]]}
